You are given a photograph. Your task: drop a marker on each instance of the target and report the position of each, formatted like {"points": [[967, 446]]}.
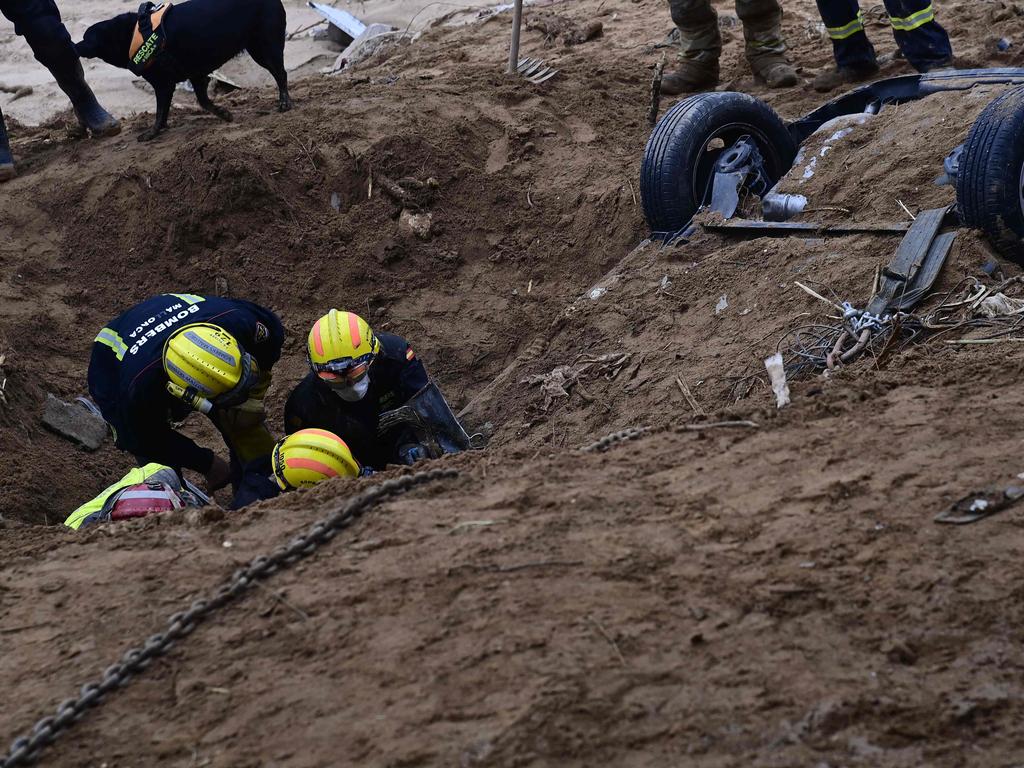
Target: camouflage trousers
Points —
{"points": [[698, 27]]}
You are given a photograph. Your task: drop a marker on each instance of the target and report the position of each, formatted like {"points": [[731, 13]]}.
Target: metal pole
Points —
{"points": [[517, 23]]}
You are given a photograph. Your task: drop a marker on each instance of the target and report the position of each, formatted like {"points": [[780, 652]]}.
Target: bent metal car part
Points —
{"points": [[710, 145]]}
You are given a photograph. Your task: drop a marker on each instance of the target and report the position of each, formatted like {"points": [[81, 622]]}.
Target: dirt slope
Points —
{"points": [[773, 596]]}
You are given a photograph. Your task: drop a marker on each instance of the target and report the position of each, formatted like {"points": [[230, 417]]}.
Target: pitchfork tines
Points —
{"points": [[535, 70]]}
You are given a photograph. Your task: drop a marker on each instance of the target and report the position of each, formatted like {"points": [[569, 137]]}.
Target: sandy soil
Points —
{"points": [[775, 596]]}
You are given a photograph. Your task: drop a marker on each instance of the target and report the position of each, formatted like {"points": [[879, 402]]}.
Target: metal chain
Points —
{"points": [[26, 749], [605, 443]]}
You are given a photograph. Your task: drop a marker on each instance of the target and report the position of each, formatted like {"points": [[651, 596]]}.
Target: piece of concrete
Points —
{"points": [[419, 224], [365, 45], [74, 422]]}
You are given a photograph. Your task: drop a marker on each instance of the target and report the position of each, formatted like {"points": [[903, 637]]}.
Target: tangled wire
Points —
{"points": [[811, 349]]}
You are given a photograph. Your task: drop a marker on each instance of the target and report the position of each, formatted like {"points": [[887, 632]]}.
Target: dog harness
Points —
{"points": [[149, 41]]}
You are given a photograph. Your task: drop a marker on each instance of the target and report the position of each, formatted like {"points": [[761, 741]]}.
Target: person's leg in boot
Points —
{"points": [[6, 160], [701, 44], [766, 50], [854, 54], [922, 40], [39, 22]]}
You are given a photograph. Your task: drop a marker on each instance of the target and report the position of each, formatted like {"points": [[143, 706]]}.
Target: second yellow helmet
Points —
{"points": [[339, 336]]}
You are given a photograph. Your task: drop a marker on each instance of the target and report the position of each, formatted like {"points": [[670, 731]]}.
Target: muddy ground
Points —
{"points": [[769, 596]]}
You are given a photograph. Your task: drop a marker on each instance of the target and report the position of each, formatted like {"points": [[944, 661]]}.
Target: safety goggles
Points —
{"points": [[343, 373]]}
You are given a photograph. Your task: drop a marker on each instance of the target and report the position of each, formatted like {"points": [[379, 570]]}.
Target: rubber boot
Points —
{"points": [[691, 76], [90, 114], [6, 160], [60, 58], [773, 70]]}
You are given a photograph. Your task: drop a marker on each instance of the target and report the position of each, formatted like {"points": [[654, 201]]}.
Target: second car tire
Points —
{"points": [[990, 180]]}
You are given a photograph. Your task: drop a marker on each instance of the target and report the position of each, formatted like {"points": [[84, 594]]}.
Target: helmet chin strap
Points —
{"points": [[354, 392]]}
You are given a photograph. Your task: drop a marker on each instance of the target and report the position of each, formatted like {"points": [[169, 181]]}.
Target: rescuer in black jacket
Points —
{"points": [[357, 375]]}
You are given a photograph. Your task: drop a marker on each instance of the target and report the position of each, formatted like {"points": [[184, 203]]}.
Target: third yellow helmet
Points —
{"points": [[310, 456]]}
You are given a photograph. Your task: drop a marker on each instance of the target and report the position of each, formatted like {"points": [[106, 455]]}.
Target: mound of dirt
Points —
{"points": [[768, 593]]}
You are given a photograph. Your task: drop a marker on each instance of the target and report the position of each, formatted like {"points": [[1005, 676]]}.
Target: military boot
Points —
{"points": [[691, 76], [6, 160], [773, 70], [833, 78]]}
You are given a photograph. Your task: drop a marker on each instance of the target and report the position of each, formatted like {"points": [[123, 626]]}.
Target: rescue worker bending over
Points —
{"points": [[175, 353], [355, 376]]}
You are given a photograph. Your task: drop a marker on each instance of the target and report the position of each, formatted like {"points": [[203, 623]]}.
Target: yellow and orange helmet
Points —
{"points": [[310, 456], [340, 348]]}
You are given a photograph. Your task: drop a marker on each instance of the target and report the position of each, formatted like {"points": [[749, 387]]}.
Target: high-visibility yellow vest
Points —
{"points": [[134, 477]]}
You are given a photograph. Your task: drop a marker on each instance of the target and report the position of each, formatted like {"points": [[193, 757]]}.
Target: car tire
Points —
{"points": [[680, 157], [990, 180]]}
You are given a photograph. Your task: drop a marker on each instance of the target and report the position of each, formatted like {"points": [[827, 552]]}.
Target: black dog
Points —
{"points": [[169, 44]]}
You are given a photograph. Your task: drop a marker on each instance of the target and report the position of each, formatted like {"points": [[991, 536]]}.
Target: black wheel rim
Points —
{"points": [[704, 168]]}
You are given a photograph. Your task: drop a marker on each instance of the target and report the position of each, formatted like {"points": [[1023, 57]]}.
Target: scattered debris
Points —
{"points": [[3, 380], [777, 373], [609, 638], [777, 206], [563, 378], [556, 27], [375, 38], [340, 19], [1000, 305], [884, 323], [980, 504], [19, 91], [786, 228], [470, 524], [659, 72], [950, 167], [536, 71], [419, 224], [722, 305], [606, 442], [689, 397], [700, 426], [74, 422]]}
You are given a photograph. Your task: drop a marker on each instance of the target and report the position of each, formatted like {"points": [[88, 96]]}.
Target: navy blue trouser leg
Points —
{"points": [[845, 26], [38, 21], [923, 41]]}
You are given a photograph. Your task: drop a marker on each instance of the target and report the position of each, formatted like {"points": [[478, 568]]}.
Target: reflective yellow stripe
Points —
{"points": [[188, 298], [111, 339], [914, 20], [134, 477], [845, 31]]}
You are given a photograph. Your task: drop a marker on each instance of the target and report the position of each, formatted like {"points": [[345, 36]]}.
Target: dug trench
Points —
{"points": [[770, 595]]}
